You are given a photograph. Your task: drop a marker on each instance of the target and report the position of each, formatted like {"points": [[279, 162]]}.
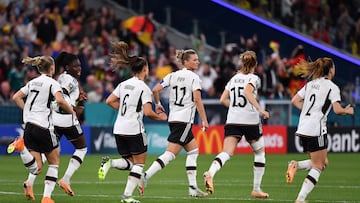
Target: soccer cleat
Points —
{"points": [[47, 200], [208, 182], [290, 173], [259, 194], [104, 168], [66, 187], [28, 191], [17, 145], [129, 200], [142, 185], [196, 192]]}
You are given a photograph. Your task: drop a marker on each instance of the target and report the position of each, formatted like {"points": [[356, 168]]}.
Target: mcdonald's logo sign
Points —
{"points": [[211, 141]]}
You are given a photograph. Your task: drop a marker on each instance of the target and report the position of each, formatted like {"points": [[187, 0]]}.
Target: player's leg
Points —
{"points": [[219, 161], [191, 168], [134, 176], [258, 148], [171, 151], [319, 162], [293, 166], [29, 183], [138, 148], [53, 158], [75, 135], [124, 163]]}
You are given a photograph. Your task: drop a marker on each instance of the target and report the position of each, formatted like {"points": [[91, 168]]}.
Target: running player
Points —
{"points": [[315, 100], [39, 134], [132, 98], [68, 124], [185, 96], [243, 119]]}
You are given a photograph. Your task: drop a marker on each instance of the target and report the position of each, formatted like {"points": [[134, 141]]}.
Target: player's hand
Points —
{"points": [[266, 114], [205, 125], [349, 109], [159, 108], [162, 116]]}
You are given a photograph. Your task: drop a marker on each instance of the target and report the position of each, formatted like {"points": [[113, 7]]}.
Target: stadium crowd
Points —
{"points": [[68, 26], [333, 22]]}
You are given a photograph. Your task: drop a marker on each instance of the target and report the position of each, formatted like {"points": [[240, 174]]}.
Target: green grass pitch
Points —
{"points": [[340, 183]]}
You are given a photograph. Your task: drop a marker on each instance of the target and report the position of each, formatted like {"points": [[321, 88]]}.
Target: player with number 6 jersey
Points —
{"points": [[133, 99]]}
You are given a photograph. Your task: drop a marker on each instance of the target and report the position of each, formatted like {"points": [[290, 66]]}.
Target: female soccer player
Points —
{"points": [[185, 96], [243, 119], [135, 100], [39, 135], [315, 100], [68, 124]]}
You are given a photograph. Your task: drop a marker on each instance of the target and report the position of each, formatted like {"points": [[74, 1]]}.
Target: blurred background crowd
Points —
{"points": [[33, 27]]}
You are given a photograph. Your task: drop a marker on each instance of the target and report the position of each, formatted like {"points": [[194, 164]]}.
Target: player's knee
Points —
{"points": [[35, 169], [166, 157], [80, 154], [258, 146]]}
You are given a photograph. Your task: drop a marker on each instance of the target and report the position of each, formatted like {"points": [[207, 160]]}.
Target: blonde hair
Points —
{"points": [[42, 63], [183, 55], [121, 58], [249, 62], [315, 69]]}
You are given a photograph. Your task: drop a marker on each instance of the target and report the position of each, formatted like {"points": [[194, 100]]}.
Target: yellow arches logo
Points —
{"points": [[211, 141]]}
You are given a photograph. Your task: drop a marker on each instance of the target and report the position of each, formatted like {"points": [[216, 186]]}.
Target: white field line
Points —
{"points": [[184, 198], [158, 182]]}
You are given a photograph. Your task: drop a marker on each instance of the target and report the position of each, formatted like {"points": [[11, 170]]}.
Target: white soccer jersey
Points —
{"points": [[182, 83], [71, 85], [40, 92], [133, 94], [318, 95], [241, 111]]}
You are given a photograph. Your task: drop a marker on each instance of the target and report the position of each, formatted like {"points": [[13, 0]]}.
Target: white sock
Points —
{"points": [[258, 174], [218, 162], [259, 169], [159, 164], [50, 180], [121, 164], [31, 179], [133, 179], [74, 164], [309, 183], [191, 166], [29, 161], [305, 164]]}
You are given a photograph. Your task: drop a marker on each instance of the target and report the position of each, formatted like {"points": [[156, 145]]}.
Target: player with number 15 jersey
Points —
{"points": [[239, 105]]}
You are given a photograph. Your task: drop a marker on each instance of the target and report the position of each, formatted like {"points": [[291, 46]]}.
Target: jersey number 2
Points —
{"points": [[312, 100]]}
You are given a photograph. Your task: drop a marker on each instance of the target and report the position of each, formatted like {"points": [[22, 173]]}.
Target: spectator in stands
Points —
{"points": [[207, 76], [6, 93], [47, 28], [17, 76], [96, 95]]}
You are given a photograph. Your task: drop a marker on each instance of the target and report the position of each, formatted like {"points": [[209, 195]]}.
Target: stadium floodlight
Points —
{"points": [[289, 32]]}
